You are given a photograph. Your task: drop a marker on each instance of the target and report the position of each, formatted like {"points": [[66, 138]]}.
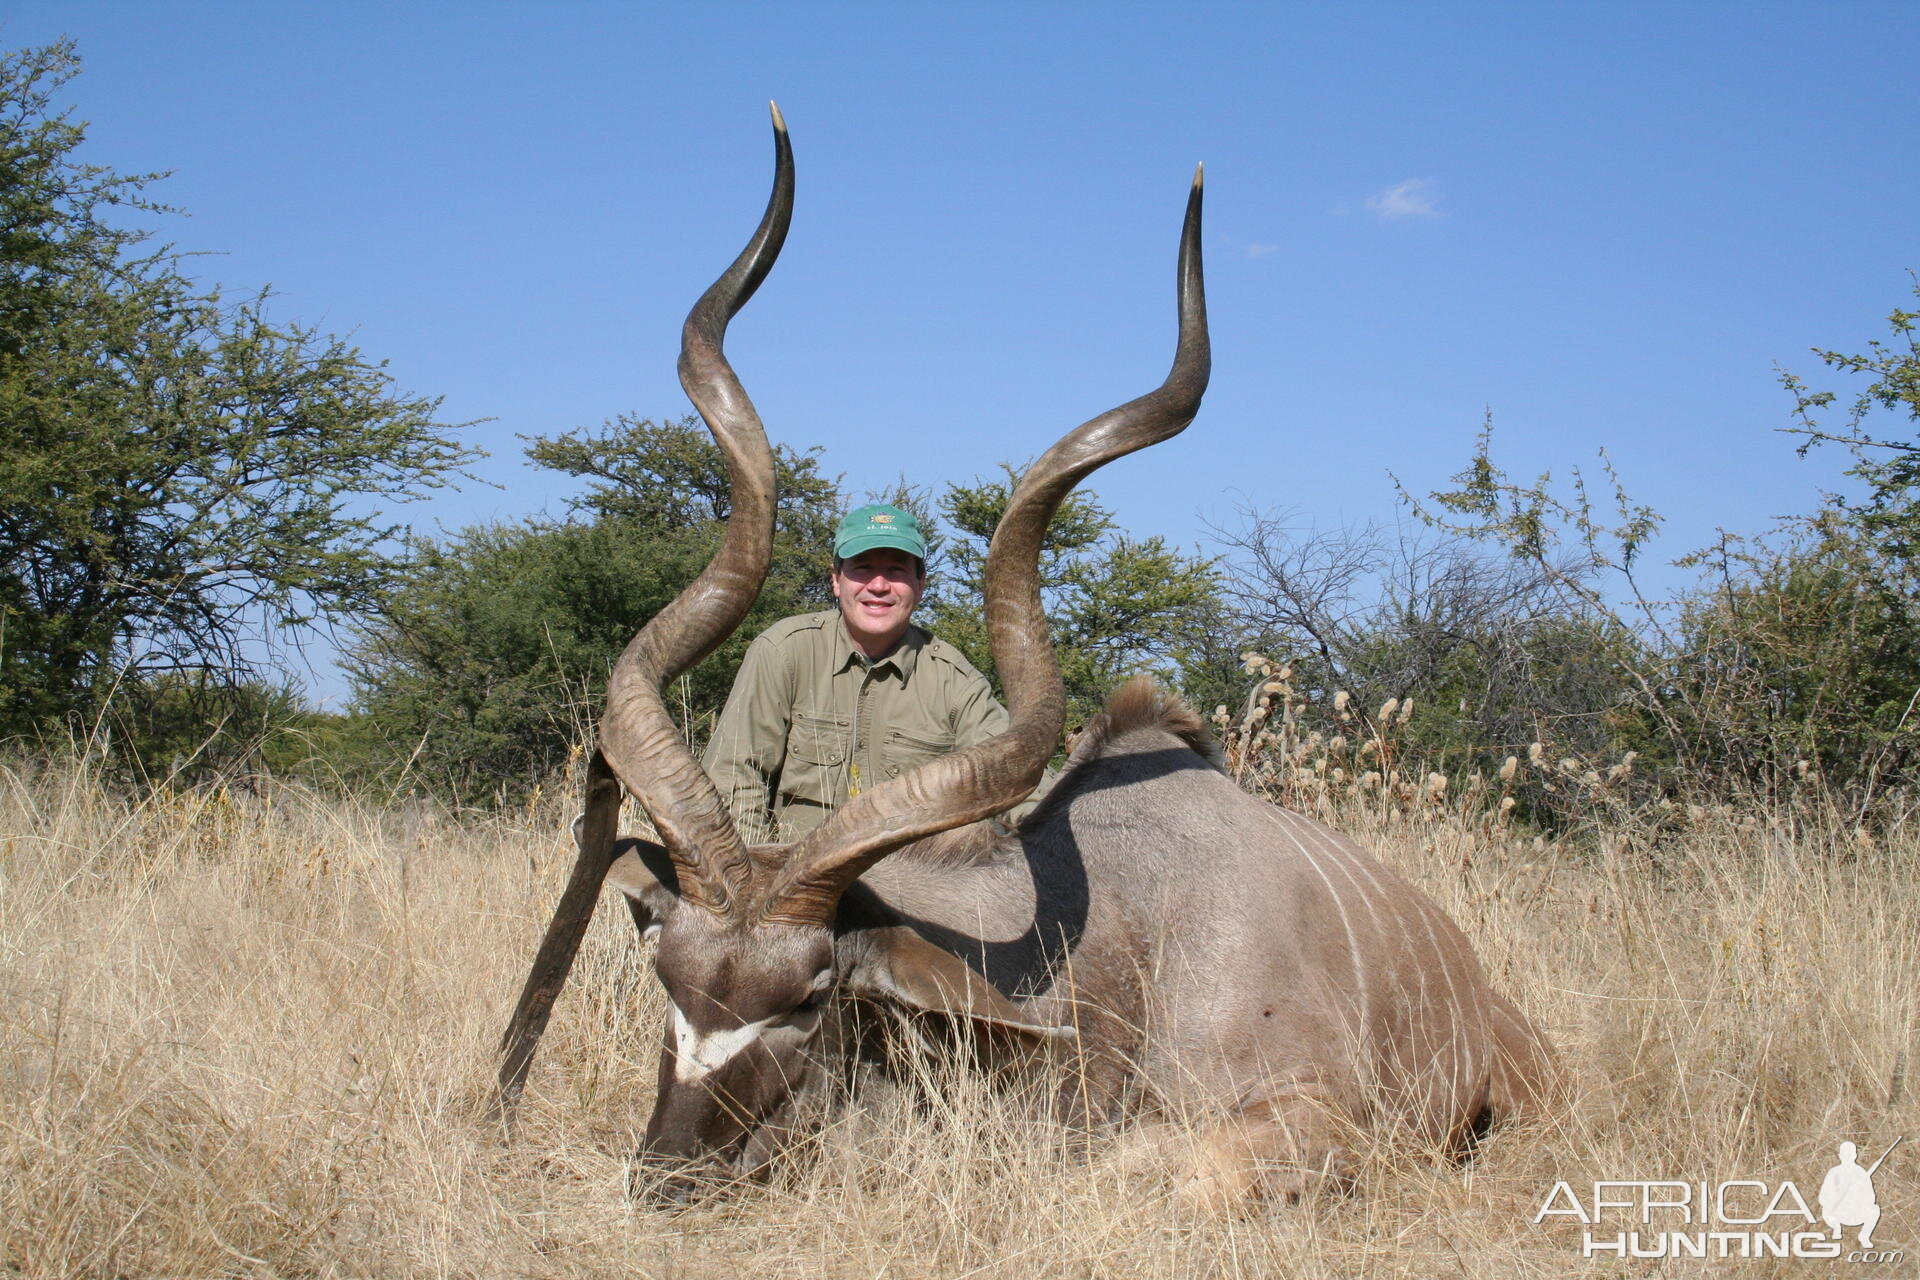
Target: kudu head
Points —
{"points": [[746, 944]]}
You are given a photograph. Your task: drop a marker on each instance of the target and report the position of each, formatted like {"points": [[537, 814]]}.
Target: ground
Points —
{"points": [[250, 1034]]}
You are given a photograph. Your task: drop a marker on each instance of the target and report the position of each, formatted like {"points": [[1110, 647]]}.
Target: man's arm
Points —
{"points": [[749, 744]]}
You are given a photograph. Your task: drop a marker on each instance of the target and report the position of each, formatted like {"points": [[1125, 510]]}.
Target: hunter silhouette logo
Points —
{"points": [[1846, 1196], [1736, 1218]]}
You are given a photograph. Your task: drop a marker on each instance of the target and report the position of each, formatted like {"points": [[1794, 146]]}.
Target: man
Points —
{"points": [[829, 704]]}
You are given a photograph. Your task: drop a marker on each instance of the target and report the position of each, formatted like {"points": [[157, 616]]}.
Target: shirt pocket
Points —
{"points": [[902, 750], [816, 765]]}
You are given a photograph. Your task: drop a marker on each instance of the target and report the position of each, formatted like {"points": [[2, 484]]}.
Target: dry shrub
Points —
{"points": [[250, 1035]]}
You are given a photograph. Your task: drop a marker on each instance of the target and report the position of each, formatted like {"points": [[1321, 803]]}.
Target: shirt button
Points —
{"points": [[893, 771]]}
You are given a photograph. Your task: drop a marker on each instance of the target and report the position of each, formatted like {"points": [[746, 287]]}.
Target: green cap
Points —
{"points": [[878, 525]]}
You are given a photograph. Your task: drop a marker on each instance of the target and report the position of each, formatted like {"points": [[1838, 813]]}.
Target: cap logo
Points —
{"points": [[881, 517]]}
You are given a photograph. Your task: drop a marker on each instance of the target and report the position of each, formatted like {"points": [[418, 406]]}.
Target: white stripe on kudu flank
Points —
{"points": [[700, 1053], [1285, 822]]}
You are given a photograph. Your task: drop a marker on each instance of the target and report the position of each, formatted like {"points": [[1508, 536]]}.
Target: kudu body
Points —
{"points": [[1184, 946]]}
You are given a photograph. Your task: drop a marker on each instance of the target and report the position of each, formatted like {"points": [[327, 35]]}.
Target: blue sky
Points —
{"points": [[1606, 224]]}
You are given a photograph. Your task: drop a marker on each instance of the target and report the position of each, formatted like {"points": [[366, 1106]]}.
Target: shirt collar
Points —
{"points": [[903, 659]]}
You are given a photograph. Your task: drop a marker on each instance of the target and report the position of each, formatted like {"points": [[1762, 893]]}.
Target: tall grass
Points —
{"points": [[250, 1035]]}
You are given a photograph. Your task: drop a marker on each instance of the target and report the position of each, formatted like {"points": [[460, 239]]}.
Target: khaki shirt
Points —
{"points": [[810, 723]]}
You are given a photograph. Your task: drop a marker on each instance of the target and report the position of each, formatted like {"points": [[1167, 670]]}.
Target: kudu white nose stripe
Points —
{"points": [[700, 1053]]}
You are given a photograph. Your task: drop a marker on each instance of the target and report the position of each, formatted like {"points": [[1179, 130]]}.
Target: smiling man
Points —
{"points": [[828, 704]]}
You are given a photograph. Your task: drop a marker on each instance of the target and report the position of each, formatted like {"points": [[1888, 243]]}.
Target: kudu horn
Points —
{"points": [[640, 746]]}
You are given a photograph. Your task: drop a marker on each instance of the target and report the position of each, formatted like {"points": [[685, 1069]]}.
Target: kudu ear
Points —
{"points": [[644, 872], [902, 966]]}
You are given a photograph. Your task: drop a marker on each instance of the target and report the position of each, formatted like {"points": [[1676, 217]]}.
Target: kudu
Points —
{"points": [[1186, 946]]}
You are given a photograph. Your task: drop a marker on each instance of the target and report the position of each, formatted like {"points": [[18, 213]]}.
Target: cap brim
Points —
{"points": [[875, 541]]}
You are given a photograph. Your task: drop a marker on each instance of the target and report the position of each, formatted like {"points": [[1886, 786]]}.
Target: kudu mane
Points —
{"points": [[1138, 705]]}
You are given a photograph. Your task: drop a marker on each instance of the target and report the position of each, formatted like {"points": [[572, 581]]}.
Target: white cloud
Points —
{"points": [[1410, 199], [1258, 250]]}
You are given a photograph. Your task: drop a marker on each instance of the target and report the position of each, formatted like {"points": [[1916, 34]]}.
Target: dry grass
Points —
{"points": [[250, 1036]]}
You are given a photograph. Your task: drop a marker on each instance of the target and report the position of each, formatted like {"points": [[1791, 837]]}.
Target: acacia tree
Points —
{"points": [[1487, 646], [1890, 466], [491, 665], [180, 476]]}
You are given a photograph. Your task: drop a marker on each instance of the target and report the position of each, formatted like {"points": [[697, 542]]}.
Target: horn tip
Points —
{"points": [[779, 121], [1199, 176]]}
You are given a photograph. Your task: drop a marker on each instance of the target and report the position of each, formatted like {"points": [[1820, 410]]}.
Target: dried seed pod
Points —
{"points": [[1508, 768]]}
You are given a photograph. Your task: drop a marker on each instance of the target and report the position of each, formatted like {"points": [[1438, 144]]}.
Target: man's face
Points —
{"points": [[877, 591]]}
